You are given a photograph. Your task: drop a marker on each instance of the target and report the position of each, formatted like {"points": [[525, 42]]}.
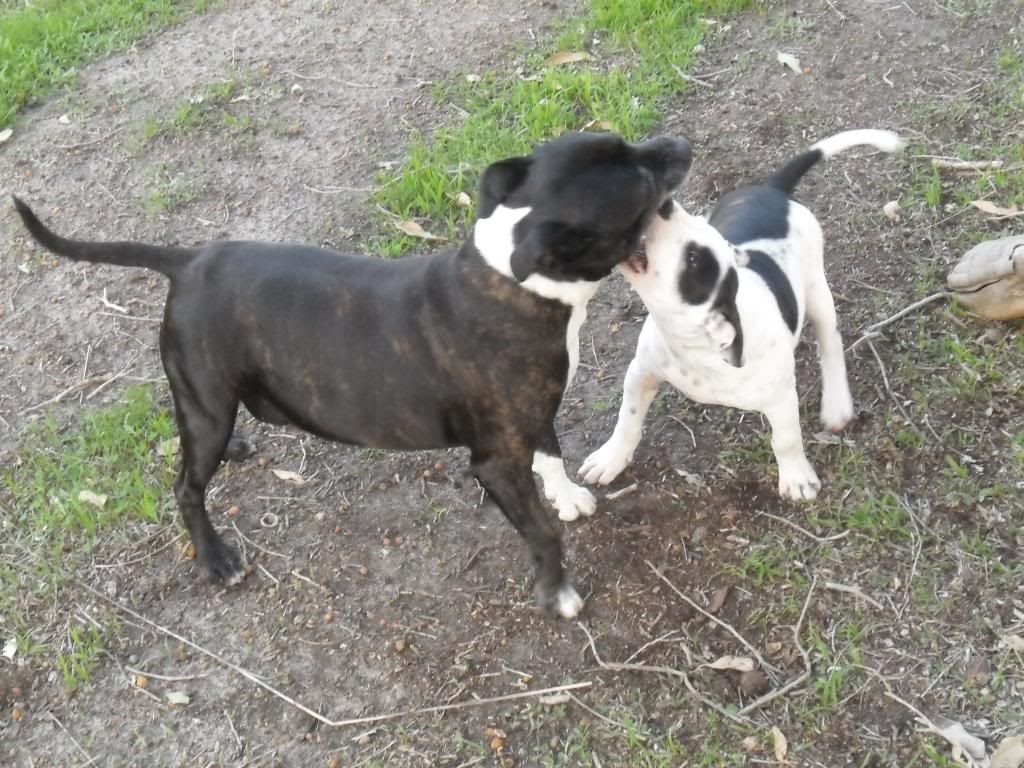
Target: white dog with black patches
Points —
{"points": [[727, 298]]}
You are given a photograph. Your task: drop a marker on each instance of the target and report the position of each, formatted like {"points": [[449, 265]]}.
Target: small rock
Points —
{"points": [[978, 671], [262, 461], [111, 588], [400, 646], [297, 90], [17, 713], [233, 511], [754, 683]]}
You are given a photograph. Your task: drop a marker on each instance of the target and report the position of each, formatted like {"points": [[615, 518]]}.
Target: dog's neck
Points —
{"points": [[494, 239]]}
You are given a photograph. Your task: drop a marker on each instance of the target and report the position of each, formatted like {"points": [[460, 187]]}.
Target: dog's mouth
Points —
{"points": [[637, 260]]}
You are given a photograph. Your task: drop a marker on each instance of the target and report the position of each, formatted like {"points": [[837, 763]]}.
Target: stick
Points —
{"points": [[88, 143], [69, 391], [112, 379], [872, 331], [316, 715], [81, 749], [612, 666], [804, 531], [758, 703], [691, 79], [756, 654], [855, 591], [254, 544], [966, 165], [621, 492], [167, 678], [896, 400]]}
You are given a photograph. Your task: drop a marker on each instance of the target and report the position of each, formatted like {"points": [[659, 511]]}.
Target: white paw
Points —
{"points": [[836, 411], [571, 501], [798, 480], [605, 464], [568, 603]]}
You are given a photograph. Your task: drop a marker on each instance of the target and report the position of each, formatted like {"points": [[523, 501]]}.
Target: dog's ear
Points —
{"points": [[498, 181], [552, 247], [723, 323]]}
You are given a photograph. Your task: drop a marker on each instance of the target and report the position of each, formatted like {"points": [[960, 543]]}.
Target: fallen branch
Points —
{"points": [[896, 400], [873, 331], [725, 625], [855, 591], [312, 713], [952, 164], [621, 492], [612, 666], [165, 678], [804, 531], [85, 384], [804, 676], [252, 543]]}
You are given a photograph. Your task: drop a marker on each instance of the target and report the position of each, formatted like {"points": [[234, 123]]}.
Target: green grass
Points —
{"points": [[122, 452], [645, 44], [42, 45]]}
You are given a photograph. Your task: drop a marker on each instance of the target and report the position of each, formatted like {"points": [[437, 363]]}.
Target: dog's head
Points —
{"points": [[686, 274], [577, 206]]}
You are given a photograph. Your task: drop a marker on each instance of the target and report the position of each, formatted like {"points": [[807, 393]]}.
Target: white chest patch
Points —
{"points": [[493, 238]]}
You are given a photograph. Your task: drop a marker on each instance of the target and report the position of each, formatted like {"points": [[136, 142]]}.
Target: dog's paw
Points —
{"points": [[572, 501], [798, 481], [239, 448], [605, 464], [836, 411], [223, 563], [568, 603]]}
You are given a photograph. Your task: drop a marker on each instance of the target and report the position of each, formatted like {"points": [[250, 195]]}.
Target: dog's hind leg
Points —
{"points": [[206, 415], [836, 401], [510, 483]]}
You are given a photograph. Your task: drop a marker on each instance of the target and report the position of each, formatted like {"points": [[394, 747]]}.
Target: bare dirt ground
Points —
{"points": [[385, 583]]}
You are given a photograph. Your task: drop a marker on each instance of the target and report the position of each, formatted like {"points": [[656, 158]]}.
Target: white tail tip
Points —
{"points": [[885, 141]]}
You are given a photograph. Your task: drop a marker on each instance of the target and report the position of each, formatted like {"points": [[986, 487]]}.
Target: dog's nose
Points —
{"points": [[674, 156]]}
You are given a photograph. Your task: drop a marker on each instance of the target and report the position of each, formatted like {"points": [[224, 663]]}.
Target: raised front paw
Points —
{"points": [[798, 480], [565, 602], [571, 501], [836, 411], [605, 464]]}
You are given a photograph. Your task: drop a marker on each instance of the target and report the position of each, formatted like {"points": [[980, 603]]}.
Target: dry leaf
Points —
{"points": [[5, 134], [789, 60], [598, 125], [996, 210], [1014, 642], [751, 744], [141, 681], [10, 648], [718, 599], [739, 663], [413, 229], [463, 200], [178, 697], [780, 744], [96, 499], [288, 476], [1009, 753], [566, 57]]}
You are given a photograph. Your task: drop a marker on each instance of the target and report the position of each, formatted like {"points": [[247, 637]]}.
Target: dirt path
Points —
{"points": [[384, 583]]}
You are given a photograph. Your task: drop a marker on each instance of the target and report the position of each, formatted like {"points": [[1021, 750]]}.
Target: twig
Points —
{"points": [[268, 574], [89, 143], [112, 379], [691, 79], [799, 680], [257, 546], [804, 531], [69, 391], [855, 591], [167, 678], [872, 331], [686, 427], [316, 715], [308, 580], [610, 721], [896, 400], [612, 666], [952, 164], [840, 14], [621, 492], [234, 732], [74, 741], [725, 625]]}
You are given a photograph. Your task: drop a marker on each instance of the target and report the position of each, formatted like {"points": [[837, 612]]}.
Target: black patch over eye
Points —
{"points": [[700, 274], [665, 211]]}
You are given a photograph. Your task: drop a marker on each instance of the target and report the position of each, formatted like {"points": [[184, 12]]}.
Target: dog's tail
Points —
{"points": [[167, 260], [787, 176]]}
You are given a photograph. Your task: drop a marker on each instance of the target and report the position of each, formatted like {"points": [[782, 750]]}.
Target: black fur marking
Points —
{"points": [[666, 209], [752, 213], [787, 176], [768, 270], [700, 274]]}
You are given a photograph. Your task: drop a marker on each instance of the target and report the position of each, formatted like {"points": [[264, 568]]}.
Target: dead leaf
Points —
{"points": [[1014, 642], [290, 477], [96, 499], [780, 744], [751, 744], [141, 681], [1009, 753], [598, 125], [789, 60], [178, 698], [5, 134], [718, 599], [463, 200], [10, 648], [738, 663], [566, 57], [957, 735], [996, 210], [413, 229]]}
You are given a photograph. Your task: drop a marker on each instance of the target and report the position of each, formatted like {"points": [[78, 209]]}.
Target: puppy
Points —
{"points": [[727, 299], [471, 348]]}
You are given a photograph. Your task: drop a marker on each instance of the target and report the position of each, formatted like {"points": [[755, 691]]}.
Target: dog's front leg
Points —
{"points": [[797, 478], [510, 483], [638, 392], [568, 499]]}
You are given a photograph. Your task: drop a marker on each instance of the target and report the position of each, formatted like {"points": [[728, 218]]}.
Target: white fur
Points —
{"points": [[886, 141], [682, 344], [569, 602], [568, 499]]}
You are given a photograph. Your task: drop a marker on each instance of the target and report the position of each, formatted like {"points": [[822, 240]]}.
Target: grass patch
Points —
{"points": [[123, 456], [644, 46], [42, 45]]}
